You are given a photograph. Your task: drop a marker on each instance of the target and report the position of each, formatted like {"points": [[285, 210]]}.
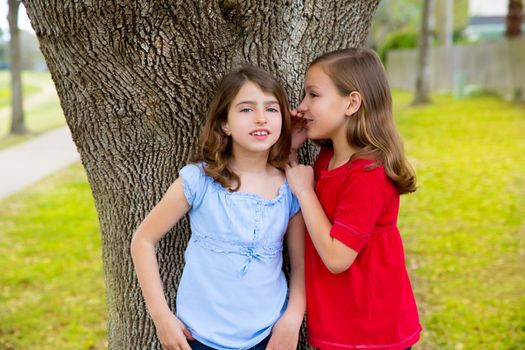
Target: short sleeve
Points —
{"points": [[194, 183], [294, 206], [361, 201]]}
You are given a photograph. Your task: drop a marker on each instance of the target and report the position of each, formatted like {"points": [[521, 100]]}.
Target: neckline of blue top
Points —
{"points": [[282, 191]]}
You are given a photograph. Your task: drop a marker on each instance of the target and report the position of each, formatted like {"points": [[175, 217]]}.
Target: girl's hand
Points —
{"points": [[300, 177], [172, 333], [285, 333], [299, 131]]}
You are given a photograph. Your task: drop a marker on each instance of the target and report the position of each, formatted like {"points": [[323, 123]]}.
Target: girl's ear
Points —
{"points": [[226, 128], [354, 102]]}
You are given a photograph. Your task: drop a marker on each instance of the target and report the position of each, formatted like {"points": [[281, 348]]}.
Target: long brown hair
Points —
{"points": [[371, 129], [215, 146]]}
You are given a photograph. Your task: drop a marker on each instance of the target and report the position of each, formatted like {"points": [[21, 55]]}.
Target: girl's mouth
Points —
{"points": [[261, 134]]}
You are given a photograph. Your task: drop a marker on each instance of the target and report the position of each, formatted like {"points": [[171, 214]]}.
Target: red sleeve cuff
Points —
{"points": [[348, 236]]}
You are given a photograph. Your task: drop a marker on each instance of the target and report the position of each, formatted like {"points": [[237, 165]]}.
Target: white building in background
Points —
{"points": [[487, 20]]}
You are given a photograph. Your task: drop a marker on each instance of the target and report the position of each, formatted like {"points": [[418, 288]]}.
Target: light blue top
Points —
{"points": [[232, 289]]}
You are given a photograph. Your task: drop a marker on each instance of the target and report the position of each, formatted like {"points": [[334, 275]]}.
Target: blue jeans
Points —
{"points": [[197, 345]]}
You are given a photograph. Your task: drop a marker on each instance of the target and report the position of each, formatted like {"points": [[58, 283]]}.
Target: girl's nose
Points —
{"points": [[260, 117], [302, 106]]}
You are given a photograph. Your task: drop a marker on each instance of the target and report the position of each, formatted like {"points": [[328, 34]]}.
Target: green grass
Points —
{"points": [[51, 285], [464, 228], [28, 88], [42, 116]]}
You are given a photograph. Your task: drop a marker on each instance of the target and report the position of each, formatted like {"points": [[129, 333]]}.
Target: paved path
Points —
{"points": [[26, 163]]}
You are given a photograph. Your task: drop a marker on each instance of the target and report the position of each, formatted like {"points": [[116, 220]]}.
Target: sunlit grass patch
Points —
{"points": [[52, 291], [40, 116], [464, 228]]}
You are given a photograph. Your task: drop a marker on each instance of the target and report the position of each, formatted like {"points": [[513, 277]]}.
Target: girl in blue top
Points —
{"points": [[232, 293]]}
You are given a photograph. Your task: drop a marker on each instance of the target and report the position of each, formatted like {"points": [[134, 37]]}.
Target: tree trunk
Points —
{"points": [[445, 22], [422, 94], [15, 62], [134, 80], [514, 19]]}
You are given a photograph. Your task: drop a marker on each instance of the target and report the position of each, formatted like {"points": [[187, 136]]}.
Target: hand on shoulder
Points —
{"points": [[300, 178]]}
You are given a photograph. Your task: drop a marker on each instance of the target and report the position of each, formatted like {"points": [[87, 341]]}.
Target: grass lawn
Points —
{"points": [[41, 114], [464, 234], [464, 228], [29, 88], [51, 285]]}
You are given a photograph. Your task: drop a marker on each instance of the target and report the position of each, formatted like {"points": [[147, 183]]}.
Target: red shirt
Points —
{"points": [[370, 305]]}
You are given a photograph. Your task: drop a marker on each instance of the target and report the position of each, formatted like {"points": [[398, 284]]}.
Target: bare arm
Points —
{"points": [[285, 333], [156, 224], [295, 243], [336, 256]]}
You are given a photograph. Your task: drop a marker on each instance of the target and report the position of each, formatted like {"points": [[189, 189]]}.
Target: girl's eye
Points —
{"points": [[273, 110], [313, 94], [246, 110]]}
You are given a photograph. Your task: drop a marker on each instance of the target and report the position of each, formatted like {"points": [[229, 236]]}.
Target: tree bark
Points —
{"points": [[134, 80], [423, 81], [15, 63], [514, 19]]}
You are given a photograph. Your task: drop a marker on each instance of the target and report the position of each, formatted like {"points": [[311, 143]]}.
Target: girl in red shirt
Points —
{"points": [[358, 291]]}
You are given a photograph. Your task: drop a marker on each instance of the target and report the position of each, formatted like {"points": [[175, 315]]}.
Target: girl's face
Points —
{"points": [[254, 120], [323, 108]]}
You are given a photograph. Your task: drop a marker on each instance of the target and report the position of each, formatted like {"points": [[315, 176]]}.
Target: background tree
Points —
{"points": [[514, 18], [394, 18], [451, 16], [397, 23], [3, 53], [422, 94], [32, 58], [134, 80], [15, 62], [445, 22]]}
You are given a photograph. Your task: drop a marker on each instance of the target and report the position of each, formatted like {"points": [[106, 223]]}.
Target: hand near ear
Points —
{"points": [[299, 130]]}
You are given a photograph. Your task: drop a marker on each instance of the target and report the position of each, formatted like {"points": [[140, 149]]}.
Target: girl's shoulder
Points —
{"points": [[368, 173], [285, 195], [365, 164], [369, 170], [355, 165], [196, 174], [193, 170], [195, 182]]}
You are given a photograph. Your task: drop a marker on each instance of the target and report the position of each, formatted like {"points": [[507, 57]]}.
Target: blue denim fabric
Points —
{"points": [[196, 345]]}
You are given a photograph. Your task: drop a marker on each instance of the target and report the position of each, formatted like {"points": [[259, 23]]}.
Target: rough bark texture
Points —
{"points": [[514, 19], [425, 44], [15, 62], [134, 80]]}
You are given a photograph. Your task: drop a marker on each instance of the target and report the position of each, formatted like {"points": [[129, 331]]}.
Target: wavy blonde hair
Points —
{"points": [[371, 129], [215, 146]]}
